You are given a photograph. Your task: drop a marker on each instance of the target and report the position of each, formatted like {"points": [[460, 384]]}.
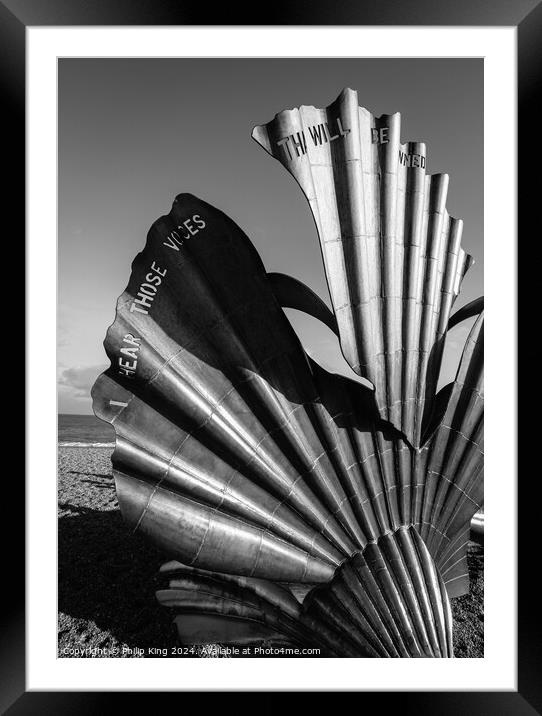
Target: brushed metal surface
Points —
{"points": [[238, 453], [387, 601], [392, 254], [251, 465]]}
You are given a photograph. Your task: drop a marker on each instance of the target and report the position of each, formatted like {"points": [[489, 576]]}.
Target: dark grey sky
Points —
{"points": [[135, 133]]}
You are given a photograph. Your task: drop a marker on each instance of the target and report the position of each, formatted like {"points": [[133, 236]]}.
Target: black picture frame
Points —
{"points": [[15, 16]]}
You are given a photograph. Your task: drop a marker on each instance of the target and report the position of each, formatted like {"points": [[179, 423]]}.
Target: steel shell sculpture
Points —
{"points": [[388, 601], [392, 254], [254, 468]]}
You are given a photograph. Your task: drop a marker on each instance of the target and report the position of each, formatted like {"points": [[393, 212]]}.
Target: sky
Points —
{"points": [[134, 133]]}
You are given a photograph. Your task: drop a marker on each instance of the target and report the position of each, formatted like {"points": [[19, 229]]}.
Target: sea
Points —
{"points": [[84, 431]]}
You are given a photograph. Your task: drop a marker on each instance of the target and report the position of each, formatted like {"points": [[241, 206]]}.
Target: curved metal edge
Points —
{"points": [[292, 293], [468, 311], [477, 528]]}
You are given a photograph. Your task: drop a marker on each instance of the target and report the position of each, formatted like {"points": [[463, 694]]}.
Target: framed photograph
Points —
{"points": [[265, 441]]}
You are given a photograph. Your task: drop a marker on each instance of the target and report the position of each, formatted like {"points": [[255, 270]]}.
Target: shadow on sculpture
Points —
{"points": [[237, 453]]}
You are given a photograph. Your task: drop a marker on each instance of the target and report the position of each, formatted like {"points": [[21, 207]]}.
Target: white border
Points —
{"points": [[497, 670]]}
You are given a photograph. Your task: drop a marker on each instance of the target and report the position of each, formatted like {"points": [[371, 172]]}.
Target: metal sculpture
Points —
{"points": [[239, 455], [386, 601], [392, 254]]}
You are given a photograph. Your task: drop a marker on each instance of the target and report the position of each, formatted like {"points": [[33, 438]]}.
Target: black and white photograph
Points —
{"points": [[267, 251], [270, 357], [258, 261]]}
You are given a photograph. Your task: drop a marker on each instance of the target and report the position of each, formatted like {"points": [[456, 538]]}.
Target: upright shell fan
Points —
{"points": [[235, 451], [392, 254], [453, 462]]}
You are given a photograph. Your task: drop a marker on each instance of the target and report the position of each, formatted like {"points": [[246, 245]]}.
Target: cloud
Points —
{"points": [[79, 380]]}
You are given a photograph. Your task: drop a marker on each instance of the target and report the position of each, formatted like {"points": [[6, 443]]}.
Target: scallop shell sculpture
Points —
{"points": [[387, 601], [392, 254], [251, 610], [237, 453], [437, 488], [453, 462]]}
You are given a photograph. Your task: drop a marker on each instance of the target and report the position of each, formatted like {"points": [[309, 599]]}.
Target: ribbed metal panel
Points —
{"points": [[386, 601], [221, 456], [262, 604], [235, 451], [454, 458], [438, 488], [392, 254]]}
